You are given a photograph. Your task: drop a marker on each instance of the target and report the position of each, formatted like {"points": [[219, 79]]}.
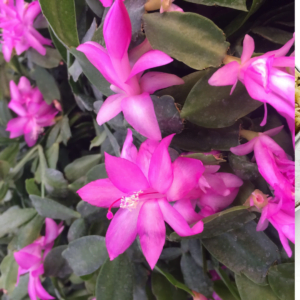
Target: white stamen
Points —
{"points": [[130, 202]]}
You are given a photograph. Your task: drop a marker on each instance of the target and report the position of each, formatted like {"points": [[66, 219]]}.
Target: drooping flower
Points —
{"points": [[265, 77], [31, 258], [33, 112], [141, 183], [273, 163], [214, 192], [124, 71], [279, 212], [18, 32]]}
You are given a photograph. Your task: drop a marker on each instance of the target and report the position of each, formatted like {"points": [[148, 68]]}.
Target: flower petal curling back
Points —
{"points": [[125, 72]]}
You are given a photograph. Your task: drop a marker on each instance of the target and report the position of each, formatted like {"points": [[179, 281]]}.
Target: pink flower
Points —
{"points": [[32, 110], [273, 163], [30, 260], [264, 77], [124, 71], [167, 5], [279, 212], [214, 192], [141, 183], [18, 32]]}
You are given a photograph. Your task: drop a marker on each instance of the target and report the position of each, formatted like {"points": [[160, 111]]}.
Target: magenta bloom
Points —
{"points": [[265, 78], [279, 212], [124, 71], [30, 260], [141, 183], [16, 22], [32, 110], [273, 163]]}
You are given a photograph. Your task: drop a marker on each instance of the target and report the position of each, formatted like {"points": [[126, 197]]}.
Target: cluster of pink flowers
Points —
{"points": [[125, 72], [144, 183], [267, 78], [18, 32], [31, 258], [279, 172], [33, 112]]}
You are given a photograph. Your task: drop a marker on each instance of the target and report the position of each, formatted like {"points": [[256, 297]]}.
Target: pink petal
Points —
{"points": [[230, 180], [32, 12], [144, 156], [14, 91], [244, 149], [31, 287], [152, 231], [186, 172], [117, 30], [139, 113], [40, 291], [176, 220], [227, 75], [160, 170], [20, 7], [26, 260], [284, 62], [174, 7], [106, 3], [30, 139], [185, 208], [274, 131], [129, 151], [125, 175], [16, 124], [51, 231], [100, 193], [248, 48], [24, 85], [35, 43], [151, 59], [153, 81], [122, 231], [18, 108], [110, 108], [283, 50], [98, 56]]}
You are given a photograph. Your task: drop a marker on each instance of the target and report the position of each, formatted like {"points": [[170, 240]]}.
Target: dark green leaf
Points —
{"points": [[190, 38], [48, 61], [77, 230], [282, 281], [97, 172], [167, 115], [10, 153], [197, 139], [52, 154], [59, 46], [173, 280], [55, 264], [31, 187], [21, 290], [244, 192], [164, 290], [194, 276], [86, 254], [244, 250], [229, 284], [51, 209], [55, 183], [115, 280], [9, 272], [222, 291], [62, 19], [272, 34], [13, 218], [214, 107], [79, 167], [221, 222], [96, 6], [170, 253], [236, 4], [207, 159], [249, 290], [46, 84], [4, 169]]}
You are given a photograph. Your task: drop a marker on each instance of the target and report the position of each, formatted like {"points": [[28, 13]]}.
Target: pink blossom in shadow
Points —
{"points": [[125, 73], [18, 32], [265, 77], [31, 258], [33, 112], [273, 163], [142, 183]]}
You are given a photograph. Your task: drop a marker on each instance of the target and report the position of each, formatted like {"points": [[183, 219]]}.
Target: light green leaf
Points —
{"points": [[50, 60], [189, 37], [9, 272]]}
